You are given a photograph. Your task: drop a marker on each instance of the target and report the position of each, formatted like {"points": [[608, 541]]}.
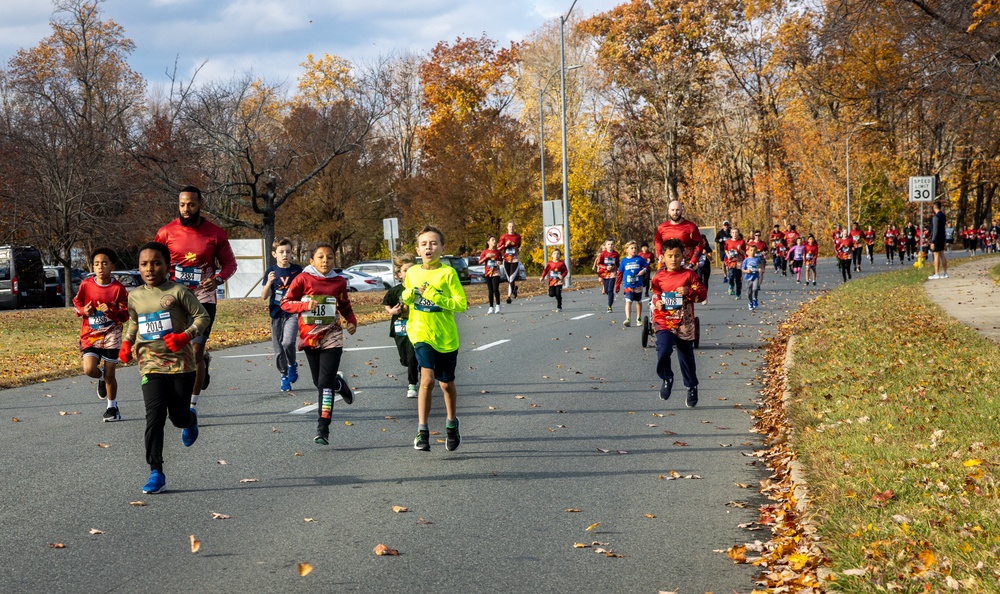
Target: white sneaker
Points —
{"points": [[490, 310], [497, 308], [945, 275], [933, 277], [411, 391]]}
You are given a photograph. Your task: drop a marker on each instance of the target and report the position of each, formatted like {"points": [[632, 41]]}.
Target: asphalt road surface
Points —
{"points": [[562, 414]]}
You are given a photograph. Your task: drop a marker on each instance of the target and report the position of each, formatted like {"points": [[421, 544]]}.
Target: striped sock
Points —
{"points": [[326, 407]]}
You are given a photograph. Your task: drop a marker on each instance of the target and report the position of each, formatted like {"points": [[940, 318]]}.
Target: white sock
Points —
{"points": [[194, 401], [112, 404]]}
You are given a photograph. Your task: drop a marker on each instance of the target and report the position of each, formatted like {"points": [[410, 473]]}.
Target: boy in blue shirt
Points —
{"points": [[631, 272], [753, 273], [284, 326]]}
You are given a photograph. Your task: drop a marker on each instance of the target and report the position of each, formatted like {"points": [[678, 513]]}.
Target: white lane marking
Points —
{"points": [[272, 354], [492, 344], [581, 317], [312, 407]]}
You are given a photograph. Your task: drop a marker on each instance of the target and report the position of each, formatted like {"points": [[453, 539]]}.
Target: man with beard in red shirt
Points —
{"points": [[195, 245], [677, 227]]}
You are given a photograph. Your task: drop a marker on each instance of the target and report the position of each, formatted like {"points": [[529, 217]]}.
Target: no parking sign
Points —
{"points": [[554, 235]]}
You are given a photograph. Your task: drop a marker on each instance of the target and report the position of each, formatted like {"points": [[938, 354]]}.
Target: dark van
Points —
{"points": [[22, 278]]}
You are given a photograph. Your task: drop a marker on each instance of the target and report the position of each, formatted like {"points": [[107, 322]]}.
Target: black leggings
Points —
{"points": [[493, 288], [845, 268], [890, 252], [511, 269], [856, 260], [609, 289], [165, 394], [324, 364]]}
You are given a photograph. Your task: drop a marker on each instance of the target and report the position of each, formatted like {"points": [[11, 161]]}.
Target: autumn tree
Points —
{"points": [[67, 106]]}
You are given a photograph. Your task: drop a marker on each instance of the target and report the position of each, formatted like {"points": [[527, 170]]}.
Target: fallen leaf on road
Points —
{"points": [[484, 391], [658, 415], [309, 520], [218, 516], [137, 503], [15, 420], [737, 553], [348, 423], [296, 454], [423, 521], [399, 509], [740, 504], [580, 545], [651, 424], [195, 544], [304, 569], [440, 441], [603, 451], [381, 550], [650, 516], [725, 445], [669, 432], [221, 462], [682, 444], [104, 445], [622, 452], [592, 526], [519, 397], [574, 510], [491, 408], [56, 545], [96, 531], [249, 480]]}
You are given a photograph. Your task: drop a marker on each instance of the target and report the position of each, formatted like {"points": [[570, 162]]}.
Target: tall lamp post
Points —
{"points": [[565, 172], [541, 141], [847, 152]]}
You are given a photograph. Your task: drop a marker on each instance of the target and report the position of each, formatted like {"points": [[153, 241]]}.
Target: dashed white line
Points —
{"points": [[312, 407], [581, 317], [490, 345], [350, 349]]}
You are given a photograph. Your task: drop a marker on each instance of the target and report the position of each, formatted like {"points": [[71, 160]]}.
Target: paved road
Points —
{"points": [[488, 518]]}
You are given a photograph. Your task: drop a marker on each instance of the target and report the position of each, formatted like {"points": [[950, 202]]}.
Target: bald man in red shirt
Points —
{"points": [[683, 230], [195, 245]]}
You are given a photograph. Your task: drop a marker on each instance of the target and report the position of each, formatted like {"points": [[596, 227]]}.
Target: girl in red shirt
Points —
{"points": [[735, 249], [812, 255], [492, 259], [844, 247], [319, 296], [606, 265], [510, 246]]}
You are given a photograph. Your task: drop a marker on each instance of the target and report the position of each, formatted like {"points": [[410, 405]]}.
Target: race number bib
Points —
{"points": [[156, 325], [609, 262], [399, 326], [809, 257], [555, 274], [511, 251], [672, 301], [492, 265], [324, 313], [629, 279], [99, 322], [189, 276], [279, 294], [424, 305]]}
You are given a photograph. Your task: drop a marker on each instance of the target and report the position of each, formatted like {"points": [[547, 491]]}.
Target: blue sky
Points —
{"points": [[271, 37]]}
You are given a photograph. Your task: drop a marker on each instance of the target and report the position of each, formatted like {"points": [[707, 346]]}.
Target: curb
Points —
{"points": [[800, 488]]}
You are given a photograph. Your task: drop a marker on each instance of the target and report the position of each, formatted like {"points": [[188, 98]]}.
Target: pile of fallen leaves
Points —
{"points": [[791, 559]]}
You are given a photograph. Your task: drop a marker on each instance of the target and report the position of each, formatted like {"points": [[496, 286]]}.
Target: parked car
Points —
{"points": [[359, 281], [476, 276], [378, 268], [54, 295], [130, 278], [76, 275], [22, 277], [459, 264]]}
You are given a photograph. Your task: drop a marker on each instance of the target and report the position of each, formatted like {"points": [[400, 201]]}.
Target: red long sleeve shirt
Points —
{"points": [[490, 259], [193, 253], [844, 247], [103, 331], [321, 336], [689, 236], [607, 264], [556, 271], [510, 245], [678, 315]]}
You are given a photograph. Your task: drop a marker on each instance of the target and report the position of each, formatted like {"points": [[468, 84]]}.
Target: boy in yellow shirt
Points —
{"points": [[434, 294]]}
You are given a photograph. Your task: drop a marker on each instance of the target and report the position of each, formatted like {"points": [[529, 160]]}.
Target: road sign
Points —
{"points": [[554, 235], [923, 188], [552, 213], [390, 229]]}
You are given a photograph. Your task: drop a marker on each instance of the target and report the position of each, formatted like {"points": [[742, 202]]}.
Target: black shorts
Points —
{"points": [[937, 246], [554, 290], [203, 338], [633, 294], [443, 364], [109, 355]]}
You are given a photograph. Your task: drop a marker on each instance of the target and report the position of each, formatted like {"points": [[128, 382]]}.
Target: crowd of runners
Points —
{"points": [[166, 323]]}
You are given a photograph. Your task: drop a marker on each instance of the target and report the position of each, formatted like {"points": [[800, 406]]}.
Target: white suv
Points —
{"points": [[380, 269]]}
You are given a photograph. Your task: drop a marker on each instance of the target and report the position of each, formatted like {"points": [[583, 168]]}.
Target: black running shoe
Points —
{"points": [[668, 385], [208, 378], [102, 389], [454, 438], [112, 414], [422, 441], [508, 301], [344, 390], [321, 440], [692, 397]]}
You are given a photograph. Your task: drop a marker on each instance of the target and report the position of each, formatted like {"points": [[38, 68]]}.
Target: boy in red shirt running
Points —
{"points": [[606, 265], [675, 290], [556, 271], [735, 250], [844, 247], [102, 302]]}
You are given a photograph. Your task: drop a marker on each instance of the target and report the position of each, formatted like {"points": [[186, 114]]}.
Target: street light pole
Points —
{"points": [[541, 143], [565, 172], [847, 153]]}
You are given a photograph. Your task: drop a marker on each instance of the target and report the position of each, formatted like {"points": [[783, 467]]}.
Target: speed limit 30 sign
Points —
{"points": [[923, 188]]}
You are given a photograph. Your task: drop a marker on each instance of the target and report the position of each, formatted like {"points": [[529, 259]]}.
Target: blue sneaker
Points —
{"points": [[293, 373], [190, 434], [157, 481], [286, 384]]}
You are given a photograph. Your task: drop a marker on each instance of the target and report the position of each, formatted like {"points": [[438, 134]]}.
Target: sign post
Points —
{"points": [[390, 230], [551, 217], [922, 189]]}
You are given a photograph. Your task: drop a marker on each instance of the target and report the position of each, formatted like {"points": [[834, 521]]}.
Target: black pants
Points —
{"points": [[609, 290], [493, 289], [665, 343], [736, 281], [556, 291], [871, 252], [165, 394], [890, 253], [856, 259], [408, 359], [323, 364], [511, 269], [646, 279], [845, 268]]}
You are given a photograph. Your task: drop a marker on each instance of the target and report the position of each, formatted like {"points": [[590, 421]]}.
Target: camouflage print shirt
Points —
{"points": [[157, 311]]}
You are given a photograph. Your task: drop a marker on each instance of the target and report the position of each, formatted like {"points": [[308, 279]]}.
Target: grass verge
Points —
{"points": [[896, 422], [995, 273], [43, 344]]}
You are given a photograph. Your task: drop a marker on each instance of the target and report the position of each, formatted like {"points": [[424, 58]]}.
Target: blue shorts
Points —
{"points": [[443, 364]]}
